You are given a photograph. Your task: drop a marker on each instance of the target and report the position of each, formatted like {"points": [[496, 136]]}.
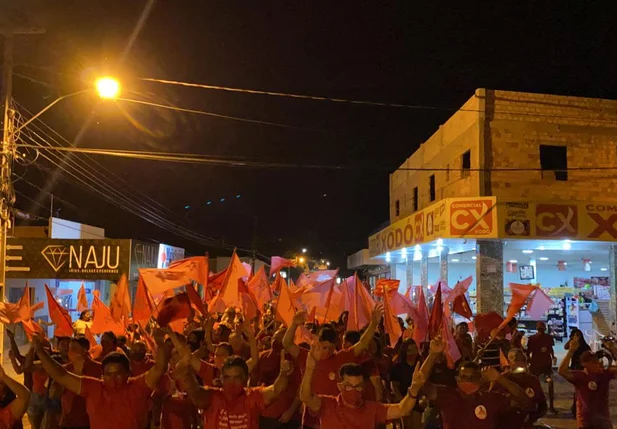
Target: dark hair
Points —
{"points": [[225, 332], [111, 335], [60, 339], [352, 337], [377, 340], [465, 325], [122, 339], [327, 334], [513, 323], [351, 369], [117, 357], [582, 341], [83, 342], [236, 361], [227, 347], [83, 313], [402, 354], [199, 333]]}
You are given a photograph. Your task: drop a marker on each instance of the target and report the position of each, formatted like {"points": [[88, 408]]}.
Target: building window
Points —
{"points": [[555, 160], [415, 199], [397, 208], [466, 163], [431, 188]]}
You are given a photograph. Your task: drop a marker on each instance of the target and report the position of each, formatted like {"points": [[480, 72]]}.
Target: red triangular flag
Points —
{"points": [[121, 302], [216, 280], [90, 338], [103, 320], [421, 325], [436, 315], [461, 306], [391, 325], [311, 316], [195, 268], [25, 310], [485, 323], [503, 361], [82, 299], [260, 288], [174, 308], [520, 293], [196, 299], [277, 263], [59, 316], [453, 354], [216, 305], [386, 286], [142, 306], [160, 281], [539, 304], [36, 307], [31, 328], [285, 308]]}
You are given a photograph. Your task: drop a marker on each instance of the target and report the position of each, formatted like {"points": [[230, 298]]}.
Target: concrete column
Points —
{"points": [[409, 271], [612, 267], [489, 276], [424, 271], [393, 271], [443, 264]]}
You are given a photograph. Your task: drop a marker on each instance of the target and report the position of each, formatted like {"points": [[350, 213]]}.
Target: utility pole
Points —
{"points": [[7, 194], [254, 244]]}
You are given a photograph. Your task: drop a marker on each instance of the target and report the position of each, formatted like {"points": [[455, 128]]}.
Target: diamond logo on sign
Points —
{"points": [[55, 255]]}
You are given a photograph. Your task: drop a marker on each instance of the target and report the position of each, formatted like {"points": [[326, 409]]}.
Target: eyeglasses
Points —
{"points": [[349, 387]]}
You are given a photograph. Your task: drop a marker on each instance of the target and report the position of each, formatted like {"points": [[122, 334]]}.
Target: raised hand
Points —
{"points": [[286, 365], [437, 345], [574, 344], [159, 337], [377, 314], [299, 318], [417, 381]]}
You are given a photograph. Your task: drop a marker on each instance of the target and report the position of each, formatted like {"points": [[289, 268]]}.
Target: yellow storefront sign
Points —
{"points": [[449, 218]]}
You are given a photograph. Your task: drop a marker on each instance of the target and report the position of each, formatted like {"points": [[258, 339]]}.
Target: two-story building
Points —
{"points": [[514, 187]]}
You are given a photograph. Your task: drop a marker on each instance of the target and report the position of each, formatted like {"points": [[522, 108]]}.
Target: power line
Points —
{"points": [[377, 103], [230, 162]]}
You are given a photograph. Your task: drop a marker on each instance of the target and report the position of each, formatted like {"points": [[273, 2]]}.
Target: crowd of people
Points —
{"points": [[225, 372]]}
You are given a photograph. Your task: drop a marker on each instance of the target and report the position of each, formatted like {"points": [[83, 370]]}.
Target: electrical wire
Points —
{"points": [[204, 159], [606, 110], [220, 116]]}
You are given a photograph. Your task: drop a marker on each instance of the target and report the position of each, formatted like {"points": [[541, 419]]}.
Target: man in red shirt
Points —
{"points": [[516, 418], [235, 406], [373, 388], [74, 414], [117, 400], [591, 388], [349, 409], [471, 405], [14, 411], [542, 358]]}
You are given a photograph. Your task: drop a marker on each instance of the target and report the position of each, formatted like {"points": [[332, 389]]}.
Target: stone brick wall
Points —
{"points": [[442, 151], [520, 122]]}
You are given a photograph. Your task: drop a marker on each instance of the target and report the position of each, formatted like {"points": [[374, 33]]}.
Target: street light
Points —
{"points": [[301, 260], [107, 87], [304, 250]]}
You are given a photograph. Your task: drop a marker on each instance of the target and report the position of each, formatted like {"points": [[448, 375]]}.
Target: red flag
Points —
{"points": [[60, 316], [485, 323], [216, 305], [260, 289], [216, 280], [421, 325], [195, 268], [453, 354], [408, 292], [387, 285], [307, 281], [235, 292], [174, 308], [121, 302], [400, 304], [103, 320], [322, 296], [277, 263], [150, 343], [363, 302], [311, 316], [285, 308], [539, 304], [25, 309], [31, 328], [90, 338], [160, 281], [461, 306], [434, 324], [82, 299], [196, 299], [143, 306], [36, 307], [520, 293], [391, 325]]}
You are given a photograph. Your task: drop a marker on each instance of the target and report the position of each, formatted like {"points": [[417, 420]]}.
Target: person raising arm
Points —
{"points": [[350, 409], [17, 408]]}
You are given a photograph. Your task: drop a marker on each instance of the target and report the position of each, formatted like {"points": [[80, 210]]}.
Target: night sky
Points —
{"points": [[427, 54]]}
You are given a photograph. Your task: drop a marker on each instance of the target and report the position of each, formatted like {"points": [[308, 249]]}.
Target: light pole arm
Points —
{"points": [[49, 106]]}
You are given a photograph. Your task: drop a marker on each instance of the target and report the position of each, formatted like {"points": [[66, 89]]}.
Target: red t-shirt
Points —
{"points": [[6, 418], [325, 377], [141, 367], [177, 411], [336, 415], [125, 408], [74, 406], [591, 391], [370, 370], [39, 378], [266, 372], [242, 413], [481, 410], [540, 347], [513, 417]]}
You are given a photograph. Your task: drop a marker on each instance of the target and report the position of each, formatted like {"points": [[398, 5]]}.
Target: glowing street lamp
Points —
{"points": [[301, 260], [304, 250], [107, 87]]}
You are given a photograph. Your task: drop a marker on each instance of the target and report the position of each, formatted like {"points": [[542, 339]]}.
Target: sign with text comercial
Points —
{"points": [[47, 258], [449, 218]]}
